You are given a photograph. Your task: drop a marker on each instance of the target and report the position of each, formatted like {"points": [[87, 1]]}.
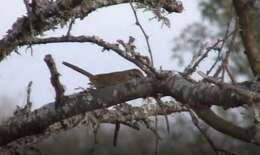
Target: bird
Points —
{"points": [[108, 79]]}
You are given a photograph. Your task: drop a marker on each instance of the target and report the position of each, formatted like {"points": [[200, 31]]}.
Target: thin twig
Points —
{"points": [[231, 49], [218, 71], [94, 123], [224, 64], [156, 151], [28, 106], [191, 68], [116, 132], [137, 22], [118, 126], [70, 26], [215, 63], [28, 99], [195, 63], [220, 49], [160, 103]]}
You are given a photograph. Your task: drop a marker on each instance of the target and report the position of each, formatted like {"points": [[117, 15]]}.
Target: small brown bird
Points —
{"points": [[108, 79]]}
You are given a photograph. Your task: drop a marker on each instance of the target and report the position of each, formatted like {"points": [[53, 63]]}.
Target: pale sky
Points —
{"points": [[109, 23]]}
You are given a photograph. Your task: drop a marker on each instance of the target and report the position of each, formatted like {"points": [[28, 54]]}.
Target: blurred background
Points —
{"points": [[202, 22]]}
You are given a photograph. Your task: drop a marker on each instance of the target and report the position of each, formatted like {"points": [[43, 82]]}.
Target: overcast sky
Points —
{"points": [[109, 23]]}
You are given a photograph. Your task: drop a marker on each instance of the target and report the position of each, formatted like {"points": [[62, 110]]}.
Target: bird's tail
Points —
{"points": [[78, 69]]}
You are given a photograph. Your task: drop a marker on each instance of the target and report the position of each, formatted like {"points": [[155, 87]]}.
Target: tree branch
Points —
{"points": [[223, 126], [132, 56], [174, 85], [55, 81], [47, 16], [248, 34], [133, 114]]}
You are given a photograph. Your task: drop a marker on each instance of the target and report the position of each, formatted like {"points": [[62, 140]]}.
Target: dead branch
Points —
{"points": [[59, 89]]}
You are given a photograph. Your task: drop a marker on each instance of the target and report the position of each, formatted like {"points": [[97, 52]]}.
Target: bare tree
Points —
{"points": [[196, 97]]}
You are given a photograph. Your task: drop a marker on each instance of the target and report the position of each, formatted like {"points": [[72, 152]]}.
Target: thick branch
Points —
{"points": [[218, 123], [37, 121], [203, 94], [119, 114], [176, 86], [248, 34], [60, 11]]}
